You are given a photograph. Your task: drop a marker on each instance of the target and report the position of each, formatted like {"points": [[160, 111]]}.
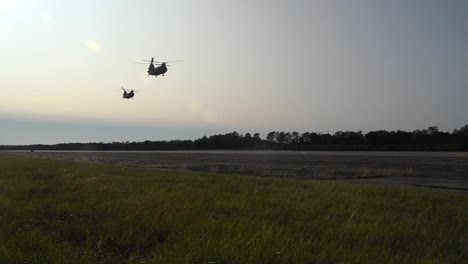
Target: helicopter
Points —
{"points": [[161, 68], [128, 95]]}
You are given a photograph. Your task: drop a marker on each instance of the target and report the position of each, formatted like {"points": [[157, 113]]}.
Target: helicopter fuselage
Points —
{"points": [[128, 95], [161, 70]]}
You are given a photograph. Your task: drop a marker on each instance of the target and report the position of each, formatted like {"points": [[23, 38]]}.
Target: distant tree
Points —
{"points": [[295, 137], [427, 139], [287, 138], [460, 136], [433, 130], [280, 138], [348, 138], [271, 137], [248, 140], [256, 137], [378, 138], [339, 138], [420, 137], [256, 140], [401, 138], [305, 138], [201, 143], [355, 138]]}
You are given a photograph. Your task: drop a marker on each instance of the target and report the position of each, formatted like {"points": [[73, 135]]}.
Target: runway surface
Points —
{"points": [[437, 170]]}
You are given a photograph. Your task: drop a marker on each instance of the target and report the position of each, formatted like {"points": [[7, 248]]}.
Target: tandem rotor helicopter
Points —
{"points": [[160, 70], [128, 95]]}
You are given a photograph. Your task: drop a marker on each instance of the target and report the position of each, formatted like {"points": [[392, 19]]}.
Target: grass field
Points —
{"points": [[78, 212]]}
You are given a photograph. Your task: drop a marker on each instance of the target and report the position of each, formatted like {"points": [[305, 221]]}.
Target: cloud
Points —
{"points": [[92, 46]]}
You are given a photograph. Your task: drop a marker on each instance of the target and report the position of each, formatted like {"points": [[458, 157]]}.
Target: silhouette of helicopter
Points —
{"points": [[160, 70], [128, 95]]}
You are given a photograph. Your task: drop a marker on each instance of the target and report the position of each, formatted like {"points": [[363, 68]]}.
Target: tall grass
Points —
{"points": [[77, 212]]}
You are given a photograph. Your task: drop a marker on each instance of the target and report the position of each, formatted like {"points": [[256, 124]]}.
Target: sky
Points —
{"points": [[248, 66]]}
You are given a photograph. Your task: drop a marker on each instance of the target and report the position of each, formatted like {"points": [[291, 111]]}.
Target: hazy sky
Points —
{"points": [[250, 66]]}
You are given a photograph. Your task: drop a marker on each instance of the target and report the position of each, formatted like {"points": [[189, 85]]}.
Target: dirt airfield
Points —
{"points": [[435, 170]]}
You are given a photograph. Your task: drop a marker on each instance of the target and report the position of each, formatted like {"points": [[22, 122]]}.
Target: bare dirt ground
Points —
{"points": [[435, 170]]}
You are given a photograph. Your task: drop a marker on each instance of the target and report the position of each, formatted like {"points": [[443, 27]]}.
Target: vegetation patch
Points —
{"points": [[79, 212]]}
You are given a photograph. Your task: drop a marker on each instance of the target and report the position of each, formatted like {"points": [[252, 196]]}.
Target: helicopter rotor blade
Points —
{"points": [[154, 62], [134, 90], [157, 63]]}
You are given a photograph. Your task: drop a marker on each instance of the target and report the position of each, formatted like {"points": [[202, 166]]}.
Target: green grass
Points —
{"points": [[77, 212]]}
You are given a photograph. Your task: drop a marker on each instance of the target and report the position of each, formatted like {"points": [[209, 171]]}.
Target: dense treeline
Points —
{"points": [[426, 139]]}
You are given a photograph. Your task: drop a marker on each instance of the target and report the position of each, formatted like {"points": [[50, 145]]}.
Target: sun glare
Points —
{"points": [[93, 46]]}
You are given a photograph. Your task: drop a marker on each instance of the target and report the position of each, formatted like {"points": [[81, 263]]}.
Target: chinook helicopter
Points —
{"points": [[161, 68], [128, 95]]}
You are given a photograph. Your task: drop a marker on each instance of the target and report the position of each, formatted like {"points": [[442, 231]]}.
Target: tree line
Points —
{"points": [[426, 139]]}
